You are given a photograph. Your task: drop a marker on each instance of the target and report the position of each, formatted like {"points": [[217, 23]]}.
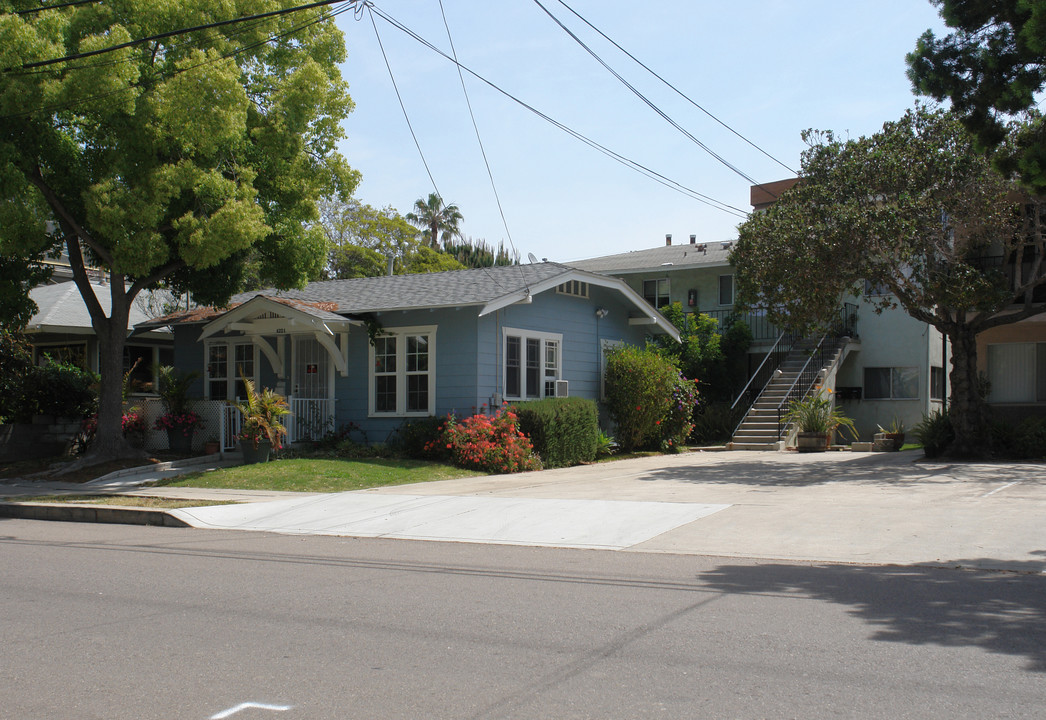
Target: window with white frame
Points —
{"points": [[402, 372], [532, 363], [655, 292], [227, 365], [1017, 372], [726, 289], [891, 383]]}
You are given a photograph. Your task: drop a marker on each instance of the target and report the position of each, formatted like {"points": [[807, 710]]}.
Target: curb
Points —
{"points": [[74, 512]]}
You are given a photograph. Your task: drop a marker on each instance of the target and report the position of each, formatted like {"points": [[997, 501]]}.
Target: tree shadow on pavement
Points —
{"points": [[879, 468], [998, 612]]}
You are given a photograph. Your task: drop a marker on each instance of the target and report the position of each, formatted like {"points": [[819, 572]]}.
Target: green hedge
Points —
{"points": [[564, 431]]}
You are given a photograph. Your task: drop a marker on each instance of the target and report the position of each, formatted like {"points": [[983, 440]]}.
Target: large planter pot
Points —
{"points": [[887, 442], [178, 442], [252, 455], [811, 442]]}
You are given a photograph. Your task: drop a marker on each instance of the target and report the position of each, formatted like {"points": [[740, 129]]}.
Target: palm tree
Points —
{"points": [[438, 220]]}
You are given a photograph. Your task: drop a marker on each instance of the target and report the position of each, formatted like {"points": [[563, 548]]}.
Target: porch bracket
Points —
{"points": [[340, 363], [275, 360]]}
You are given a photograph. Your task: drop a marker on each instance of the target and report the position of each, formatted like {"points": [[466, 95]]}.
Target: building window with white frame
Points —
{"points": [[726, 289], [227, 366], [402, 372], [655, 292], [532, 364]]}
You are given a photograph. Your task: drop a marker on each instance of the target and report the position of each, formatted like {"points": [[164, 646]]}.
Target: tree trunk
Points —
{"points": [[969, 412], [109, 442]]}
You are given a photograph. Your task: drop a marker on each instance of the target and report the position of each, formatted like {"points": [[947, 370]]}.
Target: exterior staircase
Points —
{"points": [[759, 429]]}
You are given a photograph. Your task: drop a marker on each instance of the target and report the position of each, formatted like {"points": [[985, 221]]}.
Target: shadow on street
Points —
{"points": [[998, 612]]}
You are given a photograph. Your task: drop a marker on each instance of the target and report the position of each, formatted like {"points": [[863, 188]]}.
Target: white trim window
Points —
{"points": [[402, 376], [656, 292], [224, 365], [726, 290], [533, 363]]}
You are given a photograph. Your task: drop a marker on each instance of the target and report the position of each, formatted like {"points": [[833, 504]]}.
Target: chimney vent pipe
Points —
{"points": [[668, 239]]}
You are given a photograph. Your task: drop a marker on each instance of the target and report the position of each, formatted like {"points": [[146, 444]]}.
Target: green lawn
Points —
{"points": [[321, 475], [124, 500]]}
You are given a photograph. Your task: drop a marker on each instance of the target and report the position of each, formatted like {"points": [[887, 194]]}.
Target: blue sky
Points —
{"points": [[767, 68]]}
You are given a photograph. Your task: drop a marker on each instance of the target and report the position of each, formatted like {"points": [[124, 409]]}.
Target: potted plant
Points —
{"points": [[261, 431], [179, 419], [817, 419], [892, 438], [211, 447]]}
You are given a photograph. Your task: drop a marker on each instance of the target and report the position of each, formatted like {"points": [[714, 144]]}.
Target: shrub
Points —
{"points": [[417, 438], [333, 438], [57, 389], [679, 423], [564, 431], [642, 388], [490, 444], [934, 433], [716, 422], [1024, 441]]}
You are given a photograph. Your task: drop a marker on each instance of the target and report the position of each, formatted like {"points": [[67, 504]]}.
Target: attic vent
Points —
{"points": [[269, 315], [573, 287]]}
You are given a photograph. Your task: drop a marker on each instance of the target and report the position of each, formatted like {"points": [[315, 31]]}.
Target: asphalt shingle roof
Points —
{"points": [[61, 306], [677, 256], [404, 292]]}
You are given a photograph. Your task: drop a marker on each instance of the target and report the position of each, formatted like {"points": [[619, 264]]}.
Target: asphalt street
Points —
{"points": [[115, 622]]}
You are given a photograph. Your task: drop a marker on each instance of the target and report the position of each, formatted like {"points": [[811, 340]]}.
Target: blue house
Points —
{"points": [[380, 351]]}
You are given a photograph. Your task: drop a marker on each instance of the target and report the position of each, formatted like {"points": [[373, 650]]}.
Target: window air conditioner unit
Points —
{"points": [[562, 388]]}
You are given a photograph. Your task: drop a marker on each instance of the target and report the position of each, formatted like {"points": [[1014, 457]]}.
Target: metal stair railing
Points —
{"points": [[762, 377], [804, 381]]}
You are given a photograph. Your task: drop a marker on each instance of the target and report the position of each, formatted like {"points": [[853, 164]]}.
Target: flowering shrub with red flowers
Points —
{"points": [[186, 423], [132, 422], [492, 444]]}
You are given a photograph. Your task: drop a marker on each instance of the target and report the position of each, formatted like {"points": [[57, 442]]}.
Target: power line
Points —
{"points": [[173, 33], [43, 8], [657, 177], [323, 16], [645, 99], [482, 150], [403, 107], [674, 88]]}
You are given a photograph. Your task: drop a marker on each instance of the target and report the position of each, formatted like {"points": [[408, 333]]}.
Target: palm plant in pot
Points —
{"points": [[261, 430], [817, 418], [179, 419]]}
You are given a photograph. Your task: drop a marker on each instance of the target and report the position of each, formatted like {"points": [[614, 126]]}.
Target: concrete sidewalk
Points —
{"points": [[875, 508]]}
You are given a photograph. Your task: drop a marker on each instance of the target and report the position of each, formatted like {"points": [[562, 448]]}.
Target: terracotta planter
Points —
{"points": [[252, 455], [811, 442], [211, 447]]}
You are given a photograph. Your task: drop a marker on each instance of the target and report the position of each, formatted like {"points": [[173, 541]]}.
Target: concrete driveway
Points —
{"points": [[880, 508]]}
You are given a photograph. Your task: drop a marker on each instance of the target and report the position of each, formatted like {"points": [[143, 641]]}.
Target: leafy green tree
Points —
{"points": [[352, 224], [441, 222], [713, 356], [172, 161], [427, 260], [913, 209], [992, 68], [478, 253]]}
